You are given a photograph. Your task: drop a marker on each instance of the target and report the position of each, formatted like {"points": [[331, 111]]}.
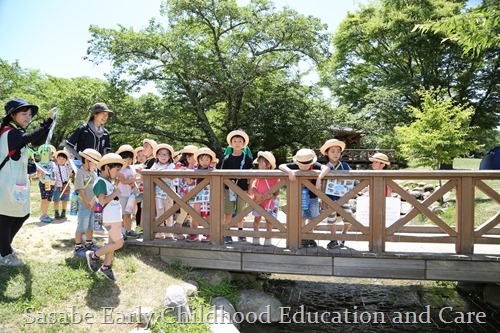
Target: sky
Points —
{"points": [[52, 35]]}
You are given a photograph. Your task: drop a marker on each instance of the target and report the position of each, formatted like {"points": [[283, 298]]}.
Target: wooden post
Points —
{"points": [[465, 216], [216, 209], [377, 214], [147, 206], [294, 216]]}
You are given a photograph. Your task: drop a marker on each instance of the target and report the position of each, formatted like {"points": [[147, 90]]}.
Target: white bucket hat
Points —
{"points": [[305, 157]]}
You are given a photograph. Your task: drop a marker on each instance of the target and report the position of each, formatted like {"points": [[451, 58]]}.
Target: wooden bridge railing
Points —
{"points": [[461, 184]]}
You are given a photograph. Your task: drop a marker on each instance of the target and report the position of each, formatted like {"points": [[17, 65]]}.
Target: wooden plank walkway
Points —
{"points": [[418, 261]]}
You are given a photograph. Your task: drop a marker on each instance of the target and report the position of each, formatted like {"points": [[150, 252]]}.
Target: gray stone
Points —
{"points": [[266, 307], [429, 188], [417, 194], [212, 277], [191, 287], [491, 294], [177, 300], [224, 311]]}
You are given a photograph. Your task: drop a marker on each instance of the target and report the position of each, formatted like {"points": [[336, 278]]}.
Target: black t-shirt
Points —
{"points": [[315, 166], [231, 162]]}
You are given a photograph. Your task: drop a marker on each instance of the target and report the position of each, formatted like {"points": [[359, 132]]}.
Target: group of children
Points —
{"points": [[118, 188]]}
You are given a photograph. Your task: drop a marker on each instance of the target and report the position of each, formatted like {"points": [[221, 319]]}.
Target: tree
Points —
{"points": [[475, 30], [208, 58], [440, 132], [379, 57]]}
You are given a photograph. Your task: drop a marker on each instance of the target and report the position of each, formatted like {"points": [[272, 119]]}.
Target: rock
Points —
{"points": [[212, 277], [491, 294], [266, 307], [224, 311], [176, 299], [416, 194], [191, 287], [429, 188]]}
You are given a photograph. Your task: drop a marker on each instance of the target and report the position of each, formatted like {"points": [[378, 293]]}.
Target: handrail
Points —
{"points": [[463, 233]]}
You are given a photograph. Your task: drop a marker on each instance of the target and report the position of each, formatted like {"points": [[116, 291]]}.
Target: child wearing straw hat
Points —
{"points": [[201, 203], [333, 149], [107, 195], [126, 185], [238, 159], [62, 188], [261, 193], [379, 162], [305, 160], [163, 154], [84, 184]]}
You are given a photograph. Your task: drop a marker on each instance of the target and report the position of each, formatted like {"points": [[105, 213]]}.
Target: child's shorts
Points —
{"points": [[85, 218], [313, 211], [233, 207], [46, 194], [57, 194]]}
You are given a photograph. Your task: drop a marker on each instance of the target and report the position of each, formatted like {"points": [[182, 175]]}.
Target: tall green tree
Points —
{"points": [[206, 56], [440, 132], [378, 56]]}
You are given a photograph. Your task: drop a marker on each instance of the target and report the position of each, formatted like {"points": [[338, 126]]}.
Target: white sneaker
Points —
{"points": [[256, 241], [268, 242], [10, 260]]}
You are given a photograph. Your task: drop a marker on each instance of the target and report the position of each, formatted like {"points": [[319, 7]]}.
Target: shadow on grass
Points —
{"points": [[10, 274]]}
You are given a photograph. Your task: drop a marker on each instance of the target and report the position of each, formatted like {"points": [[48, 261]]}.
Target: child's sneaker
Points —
{"points": [[11, 260], [205, 238], [132, 234], [56, 215], [242, 239], [91, 262], [192, 238], [63, 214], [91, 247], [332, 245], [45, 219], [107, 273], [268, 242], [228, 240], [79, 252]]}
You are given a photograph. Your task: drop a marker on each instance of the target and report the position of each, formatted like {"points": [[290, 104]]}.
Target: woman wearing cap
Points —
{"points": [[14, 184], [305, 160], [92, 134], [62, 174], [84, 184], [379, 162], [107, 195]]}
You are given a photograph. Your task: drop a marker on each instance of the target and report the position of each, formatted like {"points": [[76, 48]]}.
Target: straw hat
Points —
{"points": [[305, 157], [164, 146], [268, 156], [152, 143], [240, 133], [52, 149], [111, 158], [331, 143], [206, 151], [189, 149], [91, 155], [124, 148], [59, 152], [382, 158]]}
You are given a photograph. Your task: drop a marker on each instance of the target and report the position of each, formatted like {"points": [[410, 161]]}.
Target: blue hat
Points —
{"points": [[15, 104]]}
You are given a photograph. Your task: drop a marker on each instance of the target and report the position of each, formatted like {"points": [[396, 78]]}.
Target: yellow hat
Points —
{"points": [[111, 158], [189, 149], [268, 156], [152, 143], [239, 133], [331, 143], [91, 155], [52, 149], [305, 157], [164, 146], [124, 148], [59, 152], [206, 151], [382, 158]]}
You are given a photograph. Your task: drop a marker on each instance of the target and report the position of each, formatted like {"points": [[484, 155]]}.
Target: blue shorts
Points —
{"points": [[46, 194], [57, 194], [313, 211], [85, 218]]}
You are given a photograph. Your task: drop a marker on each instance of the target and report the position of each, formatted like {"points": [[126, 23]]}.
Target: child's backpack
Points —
{"points": [[12, 152]]}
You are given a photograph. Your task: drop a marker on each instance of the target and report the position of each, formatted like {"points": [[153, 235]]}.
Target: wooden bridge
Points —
{"points": [[466, 248]]}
